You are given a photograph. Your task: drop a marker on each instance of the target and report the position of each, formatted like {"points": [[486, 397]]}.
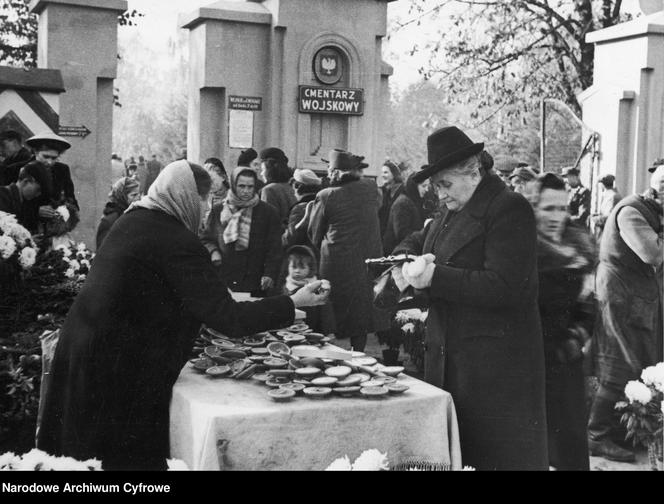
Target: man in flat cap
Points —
{"points": [[579, 197], [344, 227], [483, 340]]}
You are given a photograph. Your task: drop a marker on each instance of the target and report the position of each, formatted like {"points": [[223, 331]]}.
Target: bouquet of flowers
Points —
{"points": [[65, 220], [17, 250], [374, 460], [643, 412], [412, 323], [37, 460], [78, 259]]}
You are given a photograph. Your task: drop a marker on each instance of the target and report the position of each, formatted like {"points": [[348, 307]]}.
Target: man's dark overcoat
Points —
{"points": [[344, 227], [127, 336], [484, 338]]}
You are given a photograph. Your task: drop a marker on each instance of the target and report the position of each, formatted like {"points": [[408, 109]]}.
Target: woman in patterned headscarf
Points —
{"points": [[123, 193], [243, 237], [132, 326]]}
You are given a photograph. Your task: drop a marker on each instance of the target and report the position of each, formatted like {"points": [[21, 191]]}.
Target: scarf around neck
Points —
{"points": [[235, 218]]}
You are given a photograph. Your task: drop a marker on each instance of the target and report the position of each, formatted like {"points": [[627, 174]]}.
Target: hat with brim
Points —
{"points": [[344, 161], [656, 164], [526, 174], [50, 138], [445, 148]]}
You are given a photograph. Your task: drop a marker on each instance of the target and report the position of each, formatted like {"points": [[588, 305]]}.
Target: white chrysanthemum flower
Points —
{"points": [[8, 460], [64, 212], [654, 376], [177, 465], [18, 232], [70, 273], [341, 464], [638, 392], [34, 460], [6, 221], [74, 264], [81, 247], [66, 251], [371, 460], [468, 468], [27, 257], [81, 278], [408, 328], [7, 246], [85, 263]]}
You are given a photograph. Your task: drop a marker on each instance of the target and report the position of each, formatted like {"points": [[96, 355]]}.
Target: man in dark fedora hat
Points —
{"points": [[579, 197], [344, 227], [483, 341]]}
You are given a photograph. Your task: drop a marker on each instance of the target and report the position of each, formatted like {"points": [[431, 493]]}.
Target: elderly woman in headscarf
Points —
{"points": [[123, 193], [243, 237], [132, 326], [565, 255]]}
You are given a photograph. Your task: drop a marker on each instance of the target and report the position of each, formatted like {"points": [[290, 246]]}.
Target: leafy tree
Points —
{"points": [[18, 34], [501, 56]]}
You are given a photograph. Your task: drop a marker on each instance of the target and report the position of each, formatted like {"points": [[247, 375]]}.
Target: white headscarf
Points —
{"points": [[174, 192]]}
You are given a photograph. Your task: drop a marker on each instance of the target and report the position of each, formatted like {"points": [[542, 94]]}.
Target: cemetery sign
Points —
{"points": [[326, 100]]}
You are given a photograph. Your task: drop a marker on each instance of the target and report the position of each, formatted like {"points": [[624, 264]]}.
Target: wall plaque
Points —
{"points": [[325, 100], [245, 102], [328, 65]]}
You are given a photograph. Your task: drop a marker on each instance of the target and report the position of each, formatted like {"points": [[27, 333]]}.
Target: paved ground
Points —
{"points": [[374, 349]]}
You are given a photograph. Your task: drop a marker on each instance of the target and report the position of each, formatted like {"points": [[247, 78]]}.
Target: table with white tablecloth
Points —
{"points": [[227, 424]]}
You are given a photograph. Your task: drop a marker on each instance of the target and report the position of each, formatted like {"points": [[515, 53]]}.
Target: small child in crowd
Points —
{"points": [[302, 268]]}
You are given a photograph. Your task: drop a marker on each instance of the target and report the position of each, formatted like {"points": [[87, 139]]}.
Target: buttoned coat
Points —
{"points": [[484, 340], [128, 335]]}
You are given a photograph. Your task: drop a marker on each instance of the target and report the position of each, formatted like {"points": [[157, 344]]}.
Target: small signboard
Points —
{"points": [[327, 100], [74, 131], [245, 102], [240, 129]]}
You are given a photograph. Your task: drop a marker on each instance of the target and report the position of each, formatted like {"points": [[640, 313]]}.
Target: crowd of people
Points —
{"points": [[528, 291]]}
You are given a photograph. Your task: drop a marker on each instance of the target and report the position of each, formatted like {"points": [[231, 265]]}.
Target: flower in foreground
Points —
{"points": [[638, 392], [341, 464], [27, 257], [64, 212], [654, 376], [371, 460], [7, 246]]}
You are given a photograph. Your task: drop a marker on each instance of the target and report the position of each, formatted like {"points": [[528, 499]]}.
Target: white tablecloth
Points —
{"points": [[306, 434]]}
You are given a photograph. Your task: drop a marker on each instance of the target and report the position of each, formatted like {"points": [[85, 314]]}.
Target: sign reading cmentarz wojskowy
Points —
{"points": [[324, 100]]}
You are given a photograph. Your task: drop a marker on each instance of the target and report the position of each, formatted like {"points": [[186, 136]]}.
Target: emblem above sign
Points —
{"points": [[328, 65]]}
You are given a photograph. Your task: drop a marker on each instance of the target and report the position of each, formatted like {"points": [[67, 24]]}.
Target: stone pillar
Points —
{"points": [[625, 104], [265, 50], [79, 38]]}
